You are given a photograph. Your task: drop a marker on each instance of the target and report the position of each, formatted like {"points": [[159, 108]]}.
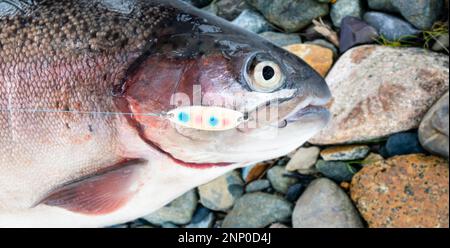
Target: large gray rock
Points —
{"points": [[252, 21], [325, 205], [343, 8], [257, 210], [378, 91], [421, 13], [291, 16], [433, 131], [179, 211], [221, 193], [391, 27]]}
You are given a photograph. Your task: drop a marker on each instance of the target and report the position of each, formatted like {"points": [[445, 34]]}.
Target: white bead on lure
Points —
{"points": [[206, 118]]}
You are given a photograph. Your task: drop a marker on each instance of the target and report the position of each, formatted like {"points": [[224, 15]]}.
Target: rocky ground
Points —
{"points": [[383, 160]]}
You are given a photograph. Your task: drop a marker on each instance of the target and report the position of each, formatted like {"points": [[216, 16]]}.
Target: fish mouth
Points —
{"points": [[306, 112]]}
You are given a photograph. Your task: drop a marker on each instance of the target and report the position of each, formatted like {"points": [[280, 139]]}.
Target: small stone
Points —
{"points": [[338, 171], [441, 44], [230, 9], [203, 218], [378, 91], [258, 210], [391, 27], [179, 211], [285, 14], [325, 44], [407, 191], [345, 153], [278, 225], [198, 3], [281, 39], [319, 58], [304, 160], [343, 8], [277, 177], [325, 205], [169, 225], [255, 171], [402, 144], [422, 14], [294, 192], [372, 158], [434, 129], [258, 185], [221, 193], [252, 21], [345, 185], [355, 32]]}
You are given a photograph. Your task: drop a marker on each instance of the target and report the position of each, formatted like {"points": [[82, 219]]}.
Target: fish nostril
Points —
{"points": [[283, 124]]}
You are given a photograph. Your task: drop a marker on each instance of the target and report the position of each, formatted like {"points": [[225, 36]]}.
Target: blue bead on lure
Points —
{"points": [[206, 118]]}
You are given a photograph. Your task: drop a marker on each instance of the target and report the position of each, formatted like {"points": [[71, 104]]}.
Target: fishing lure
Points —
{"points": [[206, 118]]}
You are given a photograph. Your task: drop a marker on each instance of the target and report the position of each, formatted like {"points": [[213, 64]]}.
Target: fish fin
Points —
{"points": [[101, 193]]}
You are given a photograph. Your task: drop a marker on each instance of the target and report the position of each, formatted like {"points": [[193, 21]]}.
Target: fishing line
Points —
{"points": [[207, 118]]}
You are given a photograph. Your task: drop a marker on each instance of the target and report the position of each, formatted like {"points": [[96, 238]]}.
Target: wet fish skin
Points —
{"points": [[130, 57]]}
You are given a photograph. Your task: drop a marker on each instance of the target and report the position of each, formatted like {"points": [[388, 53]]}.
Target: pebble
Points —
{"points": [[325, 205], [294, 192], [345, 153], [336, 170], [422, 14], [278, 225], [372, 158], [434, 128], [319, 58], [402, 144], [304, 160], [281, 39], [255, 171], [292, 16], [229, 9], [198, 3], [221, 193], [441, 44], [344, 8], [405, 191], [325, 44], [203, 218], [258, 210], [277, 177], [355, 32], [379, 91], [252, 21], [258, 185], [391, 27], [179, 211]]}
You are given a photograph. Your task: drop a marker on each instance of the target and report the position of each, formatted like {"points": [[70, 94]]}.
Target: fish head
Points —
{"points": [[205, 61]]}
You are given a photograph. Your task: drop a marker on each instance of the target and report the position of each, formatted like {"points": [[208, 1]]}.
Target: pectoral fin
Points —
{"points": [[101, 193]]}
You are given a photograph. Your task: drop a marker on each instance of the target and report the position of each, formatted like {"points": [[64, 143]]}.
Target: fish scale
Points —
{"points": [[83, 67]]}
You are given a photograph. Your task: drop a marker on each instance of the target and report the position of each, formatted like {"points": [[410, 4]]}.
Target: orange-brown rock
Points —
{"points": [[319, 58], [404, 191]]}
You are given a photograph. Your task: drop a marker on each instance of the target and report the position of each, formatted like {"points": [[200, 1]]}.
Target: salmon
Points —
{"points": [[85, 84]]}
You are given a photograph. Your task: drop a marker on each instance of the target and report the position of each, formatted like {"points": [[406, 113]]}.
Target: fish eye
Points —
{"points": [[264, 75]]}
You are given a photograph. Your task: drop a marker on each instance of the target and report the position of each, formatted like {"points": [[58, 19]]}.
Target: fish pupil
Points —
{"points": [[268, 73]]}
